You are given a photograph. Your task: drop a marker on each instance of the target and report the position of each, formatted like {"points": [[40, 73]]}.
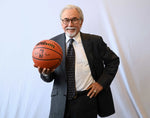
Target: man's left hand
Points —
{"points": [[94, 88]]}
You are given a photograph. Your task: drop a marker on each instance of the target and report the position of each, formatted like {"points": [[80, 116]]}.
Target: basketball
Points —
{"points": [[47, 54]]}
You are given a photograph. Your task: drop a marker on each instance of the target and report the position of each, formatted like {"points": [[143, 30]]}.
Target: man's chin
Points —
{"points": [[71, 34]]}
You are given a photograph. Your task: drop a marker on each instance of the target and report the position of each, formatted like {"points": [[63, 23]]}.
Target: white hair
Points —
{"points": [[73, 7]]}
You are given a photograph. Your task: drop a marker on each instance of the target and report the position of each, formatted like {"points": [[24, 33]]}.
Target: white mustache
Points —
{"points": [[70, 28]]}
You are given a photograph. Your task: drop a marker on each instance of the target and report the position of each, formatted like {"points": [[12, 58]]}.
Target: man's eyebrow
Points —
{"points": [[69, 18]]}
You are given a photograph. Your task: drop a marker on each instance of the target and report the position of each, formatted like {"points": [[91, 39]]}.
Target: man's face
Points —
{"points": [[71, 22]]}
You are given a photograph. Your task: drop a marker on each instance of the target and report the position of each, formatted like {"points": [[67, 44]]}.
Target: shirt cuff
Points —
{"points": [[46, 75]]}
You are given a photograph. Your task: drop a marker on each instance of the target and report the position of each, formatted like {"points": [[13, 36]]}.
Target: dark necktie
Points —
{"points": [[70, 69]]}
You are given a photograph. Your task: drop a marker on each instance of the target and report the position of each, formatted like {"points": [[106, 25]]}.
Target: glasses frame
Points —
{"points": [[74, 20]]}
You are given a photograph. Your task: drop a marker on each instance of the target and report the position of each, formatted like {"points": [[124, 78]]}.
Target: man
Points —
{"points": [[95, 67]]}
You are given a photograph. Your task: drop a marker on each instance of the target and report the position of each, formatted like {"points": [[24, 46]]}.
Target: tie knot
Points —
{"points": [[71, 41]]}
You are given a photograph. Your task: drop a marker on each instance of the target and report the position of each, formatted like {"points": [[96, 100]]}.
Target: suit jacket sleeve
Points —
{"points": [[111, 62], [48, 78]]}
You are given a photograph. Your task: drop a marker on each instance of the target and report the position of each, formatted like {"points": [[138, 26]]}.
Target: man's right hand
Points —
{"points": [[45, 70]]}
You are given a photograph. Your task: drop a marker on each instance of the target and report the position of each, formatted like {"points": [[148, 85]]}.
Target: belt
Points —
{"points": [[80, 93]]}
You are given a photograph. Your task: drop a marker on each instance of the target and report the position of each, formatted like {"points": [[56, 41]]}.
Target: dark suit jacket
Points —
{"points": [[103, 64]]}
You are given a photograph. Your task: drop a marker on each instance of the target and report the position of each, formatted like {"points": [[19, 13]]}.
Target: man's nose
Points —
{"points": [[70, 23]]}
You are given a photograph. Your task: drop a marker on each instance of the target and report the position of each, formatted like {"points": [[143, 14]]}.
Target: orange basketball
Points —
{"points": [[47, 54]]}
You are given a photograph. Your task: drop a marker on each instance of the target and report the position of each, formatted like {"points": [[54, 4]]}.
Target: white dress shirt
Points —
{"points": [[83, 77]]}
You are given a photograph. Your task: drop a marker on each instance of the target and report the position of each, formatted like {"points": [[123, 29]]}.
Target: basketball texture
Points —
{"points": [[47, 54]]}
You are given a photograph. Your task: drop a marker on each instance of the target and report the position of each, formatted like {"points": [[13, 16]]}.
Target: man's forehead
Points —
{"points": [[70, 13]]}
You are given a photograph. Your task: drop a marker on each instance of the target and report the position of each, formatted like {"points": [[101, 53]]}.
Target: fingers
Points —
{"points": [[94, 88], [45, 70], [89, 87], [40, 69], [91, 93]]}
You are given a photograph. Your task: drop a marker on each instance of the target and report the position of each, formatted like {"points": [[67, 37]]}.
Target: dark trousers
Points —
{"points": [[81, 107]]}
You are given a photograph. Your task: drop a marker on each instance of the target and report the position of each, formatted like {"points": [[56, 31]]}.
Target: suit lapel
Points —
{"points": [[87, 45], [63, 46]]}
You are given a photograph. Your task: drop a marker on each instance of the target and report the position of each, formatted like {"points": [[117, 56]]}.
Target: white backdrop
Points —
{"points": [[124, 26]]}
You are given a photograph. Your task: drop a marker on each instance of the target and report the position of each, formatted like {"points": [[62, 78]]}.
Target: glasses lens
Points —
{"points": [[73, 20]]}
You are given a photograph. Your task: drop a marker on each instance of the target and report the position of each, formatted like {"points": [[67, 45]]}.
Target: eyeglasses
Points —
{"points": [[66, 21]]}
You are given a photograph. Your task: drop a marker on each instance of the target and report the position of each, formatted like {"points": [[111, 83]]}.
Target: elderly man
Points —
{"points": [[82, 81]]}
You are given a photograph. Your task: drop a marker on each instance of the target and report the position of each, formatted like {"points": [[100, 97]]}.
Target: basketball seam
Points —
{"points": [[49, 49], [46, 59]]}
